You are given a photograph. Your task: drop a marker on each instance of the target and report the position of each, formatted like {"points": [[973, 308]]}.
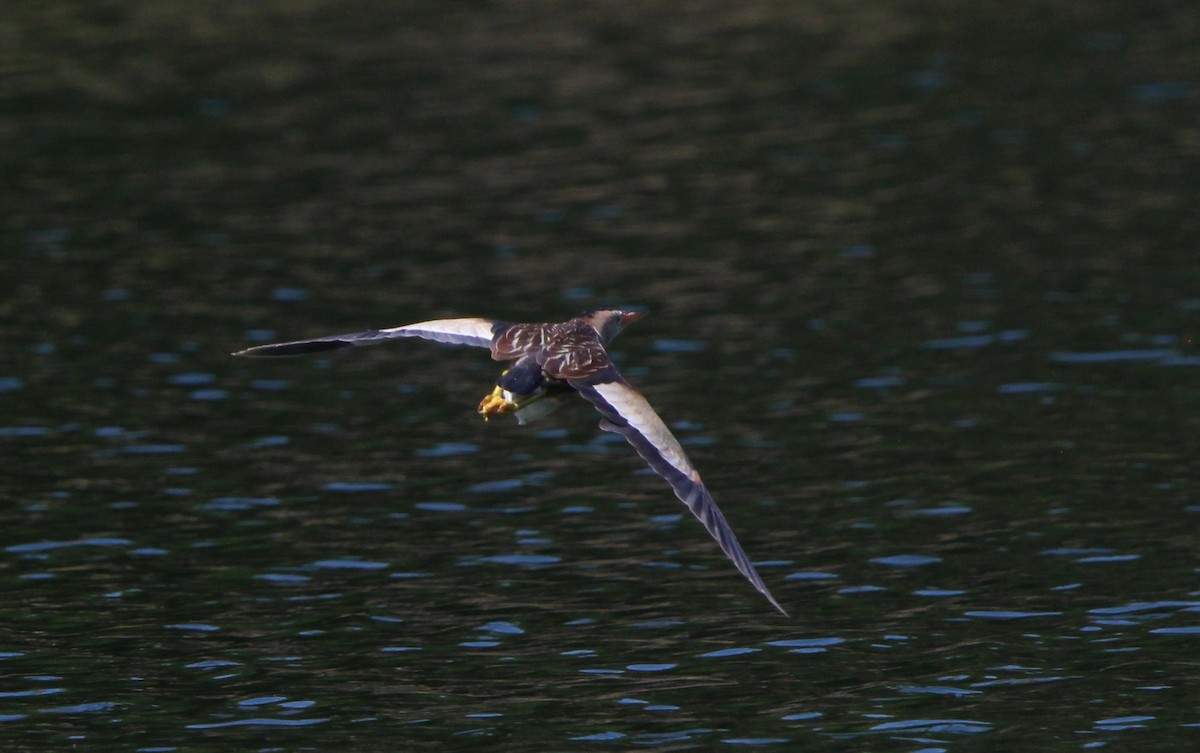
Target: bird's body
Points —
{"points": [[554, 358]]}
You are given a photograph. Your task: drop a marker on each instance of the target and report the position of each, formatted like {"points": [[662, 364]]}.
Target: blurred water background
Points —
{"points": [[924, 300]]}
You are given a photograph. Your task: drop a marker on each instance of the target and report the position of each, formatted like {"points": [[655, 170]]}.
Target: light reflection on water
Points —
{"points": [[533, 646]]}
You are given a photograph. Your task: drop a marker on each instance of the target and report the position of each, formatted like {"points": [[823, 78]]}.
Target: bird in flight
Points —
{"points": [[552, 359]]}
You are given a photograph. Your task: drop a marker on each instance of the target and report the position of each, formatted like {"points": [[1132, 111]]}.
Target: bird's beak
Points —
{"points": [[629, 317]]}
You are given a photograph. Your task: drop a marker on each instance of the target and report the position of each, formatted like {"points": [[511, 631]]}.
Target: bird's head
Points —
{"points": [[609, 322]]}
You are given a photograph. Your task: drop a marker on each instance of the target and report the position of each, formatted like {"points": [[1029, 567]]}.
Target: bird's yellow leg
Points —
{"points": [[502, 401], [495, 403]]}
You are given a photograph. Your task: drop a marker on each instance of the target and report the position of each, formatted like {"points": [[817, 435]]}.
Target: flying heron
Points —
{"points": [[551, 359]]}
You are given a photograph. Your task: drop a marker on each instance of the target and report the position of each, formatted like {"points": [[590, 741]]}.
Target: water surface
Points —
{"points": [[923, 311]]}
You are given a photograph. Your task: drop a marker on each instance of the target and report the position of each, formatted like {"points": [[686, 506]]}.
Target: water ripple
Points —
{"points": [[1019, 681], [808, 575], [1157, 92], [936, 690], [356, 487], [1025, 388], [650, 667], [943, 726], [525, 560], [338, 564], [441, 506], [1144, 606], [492, 487], [260, 722], [1112, 356], [803, 717], [1103, 558], [235, 504], [289, 294], [43, 546], [807, 642], [654, 624], [213, 664], [953, 343], [599, 737], [23, 431], [447, 449], [1067, 551], [262, 700], [1118, 723], [283, 578], [155, 449], [31, 693], [939, 592], [906, 560], [724, 652], [270, 385], [192, 380], [1000, 614], [98, 707], [868, 589], [501, 627], [945, 510], [664, 345], [879, 383]]}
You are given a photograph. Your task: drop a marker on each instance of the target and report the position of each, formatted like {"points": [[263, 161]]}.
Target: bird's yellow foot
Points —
{"points": [[495, 403]]}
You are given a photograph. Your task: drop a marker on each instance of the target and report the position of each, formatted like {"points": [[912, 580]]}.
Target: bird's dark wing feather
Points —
{"points": [[474, 331], [627, 413], [516, 340], [575, 352]]}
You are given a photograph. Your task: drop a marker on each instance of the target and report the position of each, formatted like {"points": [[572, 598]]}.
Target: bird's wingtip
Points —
{"points": [[774, 603]]}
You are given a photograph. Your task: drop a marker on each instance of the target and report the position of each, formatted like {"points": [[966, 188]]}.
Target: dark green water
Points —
{"points": [[924, 305]]}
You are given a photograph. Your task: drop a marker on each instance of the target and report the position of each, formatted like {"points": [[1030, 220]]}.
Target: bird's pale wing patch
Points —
{"points": [[629, 405], [471, 331], [474, 331], [627, 413]]}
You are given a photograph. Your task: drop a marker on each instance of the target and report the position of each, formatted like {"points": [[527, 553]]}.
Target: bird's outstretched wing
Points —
{"points": [[627, 413], [478, 332]]}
